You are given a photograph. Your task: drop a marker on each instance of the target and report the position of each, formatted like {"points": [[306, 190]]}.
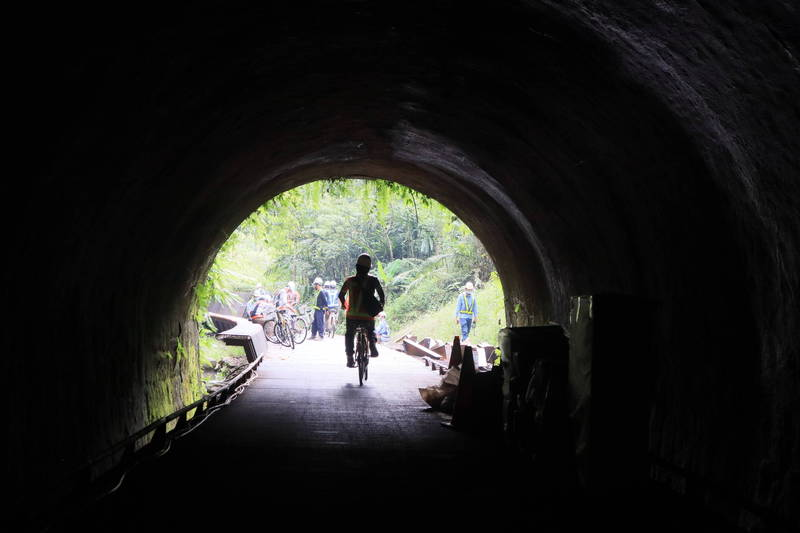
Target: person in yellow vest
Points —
{"points": [[466, 311], [361, 305]]}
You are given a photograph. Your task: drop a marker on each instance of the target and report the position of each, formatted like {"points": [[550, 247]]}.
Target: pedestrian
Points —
{"points": [[249, 306], [292, 296], [259, 291], [286, 299], [382, 328], [332, 311], [361, 305], [467, 311], [333, 300], [259, 311], [321, 305]]}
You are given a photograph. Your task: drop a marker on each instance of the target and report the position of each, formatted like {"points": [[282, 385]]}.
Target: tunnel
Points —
{"points": [[646, 149]]}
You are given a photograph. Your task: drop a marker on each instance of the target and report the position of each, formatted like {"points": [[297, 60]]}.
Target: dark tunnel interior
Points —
{"points": [[593, 147]]}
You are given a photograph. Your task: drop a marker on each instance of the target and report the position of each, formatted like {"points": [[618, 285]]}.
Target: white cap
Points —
{"points": [[291, 285], [469, 286], [317, 281]]}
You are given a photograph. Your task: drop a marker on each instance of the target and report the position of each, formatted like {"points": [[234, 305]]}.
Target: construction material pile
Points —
{"points": [[447, 357]]}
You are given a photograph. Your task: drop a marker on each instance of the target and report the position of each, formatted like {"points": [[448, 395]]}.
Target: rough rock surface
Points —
{"points": [[648, 148]]}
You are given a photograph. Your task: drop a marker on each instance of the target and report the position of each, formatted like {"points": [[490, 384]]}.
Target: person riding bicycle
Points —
{"points": [[361, 305]]}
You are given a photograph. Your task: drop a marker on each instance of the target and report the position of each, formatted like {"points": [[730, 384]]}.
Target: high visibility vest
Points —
{"points": [[355, 297], [468, 307]]}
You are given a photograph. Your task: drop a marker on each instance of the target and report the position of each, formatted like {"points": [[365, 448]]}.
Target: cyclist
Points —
{"points": [[361, 305]]}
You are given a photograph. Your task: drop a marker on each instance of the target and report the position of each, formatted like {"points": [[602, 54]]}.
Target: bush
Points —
{"points": [[436, 318]]}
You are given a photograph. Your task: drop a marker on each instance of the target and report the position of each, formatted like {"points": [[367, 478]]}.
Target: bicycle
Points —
{"points": [[286, 329], [331, 319], [299, 328], [305, 312], [362, 354], [269, 331], [282, 330]]}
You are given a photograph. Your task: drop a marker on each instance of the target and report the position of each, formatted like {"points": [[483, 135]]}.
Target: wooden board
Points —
{"points": [[414, 348]]}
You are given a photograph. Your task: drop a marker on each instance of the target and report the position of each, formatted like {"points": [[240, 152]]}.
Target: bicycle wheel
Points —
{"points": [[269, 332], [362, 358], [300, 330], [287, 329], [282, 333], [361, 370]]}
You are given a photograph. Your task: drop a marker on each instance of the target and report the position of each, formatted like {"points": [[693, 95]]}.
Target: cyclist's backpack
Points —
{"points": [[371, 304]]}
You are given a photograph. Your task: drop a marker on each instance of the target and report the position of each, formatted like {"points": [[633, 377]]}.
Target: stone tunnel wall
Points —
{"points": [[645, 148]]}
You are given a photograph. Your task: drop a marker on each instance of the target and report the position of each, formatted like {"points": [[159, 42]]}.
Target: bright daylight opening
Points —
{"points": [[439, 281]]}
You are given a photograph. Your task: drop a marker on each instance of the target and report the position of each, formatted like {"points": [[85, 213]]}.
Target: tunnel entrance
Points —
{"points": [[592, 147], [306, 241]]}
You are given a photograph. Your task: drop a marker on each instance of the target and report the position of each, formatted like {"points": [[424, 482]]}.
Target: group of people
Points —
{"points": [[362, 308], [262, 305]]}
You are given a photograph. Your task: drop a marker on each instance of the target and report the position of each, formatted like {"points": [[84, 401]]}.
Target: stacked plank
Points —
{"points": [[438, 354]]}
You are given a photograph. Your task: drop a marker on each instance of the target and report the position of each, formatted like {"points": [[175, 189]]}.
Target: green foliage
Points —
{"points": [[214, 350], [211, 352], [180, 351], [422, 253], [440, 323]]}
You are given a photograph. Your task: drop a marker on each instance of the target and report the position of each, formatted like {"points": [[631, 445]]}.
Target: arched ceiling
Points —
{"points": [[592, 147]]}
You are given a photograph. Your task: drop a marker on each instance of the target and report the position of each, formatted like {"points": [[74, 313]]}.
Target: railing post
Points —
{"points": [[159, 443], [183, 422]]}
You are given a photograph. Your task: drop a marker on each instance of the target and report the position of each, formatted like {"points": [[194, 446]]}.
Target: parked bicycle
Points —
{"points": [[286, 328], [305, 312], [331, 321]]}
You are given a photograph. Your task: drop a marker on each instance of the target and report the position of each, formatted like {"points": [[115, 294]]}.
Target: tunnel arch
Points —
{"points": [[621, 156], [488, 220]]}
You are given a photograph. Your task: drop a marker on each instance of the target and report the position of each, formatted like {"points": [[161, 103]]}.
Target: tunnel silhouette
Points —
{"points": [[593, 148]]}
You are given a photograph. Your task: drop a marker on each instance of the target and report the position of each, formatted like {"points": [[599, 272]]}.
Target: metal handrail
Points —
{"points": [[181, 414], [94, 488]]}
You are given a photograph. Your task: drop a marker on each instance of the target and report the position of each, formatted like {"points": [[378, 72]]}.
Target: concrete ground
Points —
{"points": [[304, 445], [305, 438]]}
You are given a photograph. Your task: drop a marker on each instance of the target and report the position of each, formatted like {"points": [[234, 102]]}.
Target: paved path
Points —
{"points": [[304, 447], [305, 438]]}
